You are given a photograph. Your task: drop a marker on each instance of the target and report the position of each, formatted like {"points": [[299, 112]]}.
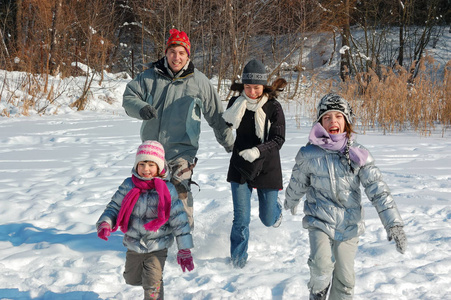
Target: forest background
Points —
{"points": [[379, 48]]}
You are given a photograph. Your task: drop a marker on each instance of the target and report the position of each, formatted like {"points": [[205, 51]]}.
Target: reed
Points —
{"points": [[392, 99]]}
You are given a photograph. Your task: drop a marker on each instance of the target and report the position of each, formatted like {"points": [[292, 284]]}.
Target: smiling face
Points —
{"points": [[334, 122], [147, 169], [177, 57], [253, 91]]}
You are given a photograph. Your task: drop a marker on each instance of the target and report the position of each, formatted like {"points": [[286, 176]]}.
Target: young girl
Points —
{"points": [[329, 170], [148, 211], [255, 163]]}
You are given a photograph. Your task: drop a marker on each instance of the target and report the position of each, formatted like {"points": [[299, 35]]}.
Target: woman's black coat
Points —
{"points": [[270, 177]]}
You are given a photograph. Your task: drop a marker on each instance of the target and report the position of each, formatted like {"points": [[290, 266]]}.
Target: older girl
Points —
{"points": [[255, 163], [329, 171]]}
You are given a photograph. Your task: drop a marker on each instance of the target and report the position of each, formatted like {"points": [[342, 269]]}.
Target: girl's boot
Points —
{"points": [[320, 295], [152, 294]]}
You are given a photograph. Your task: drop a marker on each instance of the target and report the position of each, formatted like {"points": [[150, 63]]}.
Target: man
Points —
{"points": [[169, 97]]}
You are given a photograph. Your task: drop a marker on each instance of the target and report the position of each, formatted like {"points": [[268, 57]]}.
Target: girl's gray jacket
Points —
{"points": [[137, 238], [333, 196], [179, 102]]}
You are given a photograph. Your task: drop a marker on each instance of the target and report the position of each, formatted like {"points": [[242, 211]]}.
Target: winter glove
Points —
{"points": [[290, 205], [229, 149], [185, 260], [104, 231], [397, 233], [148, 112], [250, 154]]}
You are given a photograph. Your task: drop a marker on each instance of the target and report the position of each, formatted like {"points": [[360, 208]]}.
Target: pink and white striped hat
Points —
{"points": [[151, 151]]}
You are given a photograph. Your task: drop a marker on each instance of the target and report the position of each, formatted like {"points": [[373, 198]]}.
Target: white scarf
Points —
{"points": [[235, 113]]}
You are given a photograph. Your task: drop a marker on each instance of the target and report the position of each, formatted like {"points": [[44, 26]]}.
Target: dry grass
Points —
{"points": [[388, 100], [392, 100]]}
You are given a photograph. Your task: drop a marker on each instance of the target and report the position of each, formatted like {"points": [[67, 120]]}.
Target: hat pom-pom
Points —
{"points": [[174, 31]]}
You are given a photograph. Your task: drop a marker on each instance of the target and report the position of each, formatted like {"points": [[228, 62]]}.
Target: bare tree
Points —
{"points": [[8, 32], [92, 28]]}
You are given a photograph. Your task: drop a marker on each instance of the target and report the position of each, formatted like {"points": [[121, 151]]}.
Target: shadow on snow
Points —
{"points": [[26, 233]]}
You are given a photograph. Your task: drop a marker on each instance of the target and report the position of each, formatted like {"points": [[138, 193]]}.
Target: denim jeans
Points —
{"points": [[269, 213]]}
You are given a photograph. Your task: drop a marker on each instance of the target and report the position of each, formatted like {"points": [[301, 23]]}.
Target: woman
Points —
{"points": [[255, 163]]}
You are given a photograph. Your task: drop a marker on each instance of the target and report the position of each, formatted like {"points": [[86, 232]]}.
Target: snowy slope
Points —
{"points": [[57, 173]]}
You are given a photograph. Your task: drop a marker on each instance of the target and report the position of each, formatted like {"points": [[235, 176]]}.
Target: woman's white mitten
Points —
{"points": [[250, 154]]}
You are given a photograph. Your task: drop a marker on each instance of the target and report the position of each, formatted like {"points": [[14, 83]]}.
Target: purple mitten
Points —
{"points": [[104, 231], [185, 260]]}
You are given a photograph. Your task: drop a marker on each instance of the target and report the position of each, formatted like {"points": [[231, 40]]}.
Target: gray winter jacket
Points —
{"points": [[333, 196], [139, 239], [179, 102]]}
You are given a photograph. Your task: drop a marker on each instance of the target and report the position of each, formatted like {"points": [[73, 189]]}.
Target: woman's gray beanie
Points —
{"points": [[254, 73]]}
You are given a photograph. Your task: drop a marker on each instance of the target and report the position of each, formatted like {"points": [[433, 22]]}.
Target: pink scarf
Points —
{"points": [[164, 203], [337, 142]]}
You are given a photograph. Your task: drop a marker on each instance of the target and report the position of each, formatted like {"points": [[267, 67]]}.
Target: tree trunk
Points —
{"points": [[402, 22], [345, 65], [51, 63]]}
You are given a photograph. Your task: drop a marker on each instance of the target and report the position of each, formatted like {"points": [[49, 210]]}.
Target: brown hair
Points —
{"points": [[272, 91], [349, 129]]}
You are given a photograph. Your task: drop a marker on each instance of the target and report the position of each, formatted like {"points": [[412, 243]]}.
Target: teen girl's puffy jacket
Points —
{"points": [[179, 102], [137, 238], [333, 195]]}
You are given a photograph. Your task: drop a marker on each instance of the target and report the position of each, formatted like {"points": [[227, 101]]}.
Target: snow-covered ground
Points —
{"points": [[58, 172]]}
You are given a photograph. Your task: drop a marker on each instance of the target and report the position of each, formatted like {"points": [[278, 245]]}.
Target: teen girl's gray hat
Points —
{"points": [[334, 102], [254, 73]]}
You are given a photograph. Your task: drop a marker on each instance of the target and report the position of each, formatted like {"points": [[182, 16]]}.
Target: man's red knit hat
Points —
{"points": [[178, 38]]}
